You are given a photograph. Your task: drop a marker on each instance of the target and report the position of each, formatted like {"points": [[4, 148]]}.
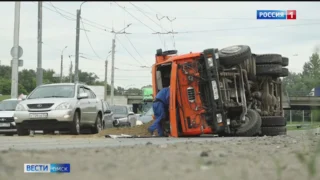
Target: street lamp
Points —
{"points": [[61, 68]]}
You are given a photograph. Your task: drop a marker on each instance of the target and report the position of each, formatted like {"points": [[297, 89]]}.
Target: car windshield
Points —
{"points": [[56, 91], [149, 112], [8, 105], [119, 110]]}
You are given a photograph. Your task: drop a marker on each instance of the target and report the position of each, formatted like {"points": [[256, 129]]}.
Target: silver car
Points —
{"points": [[123, 116], [63, 106], [7, 124]]}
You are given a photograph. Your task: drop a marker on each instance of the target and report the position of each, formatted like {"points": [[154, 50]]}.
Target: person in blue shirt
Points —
{"points": [[160, 109]]}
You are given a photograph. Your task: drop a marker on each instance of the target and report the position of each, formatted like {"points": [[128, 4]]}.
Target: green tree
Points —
{"points": [[301, 84], [27, 78]]}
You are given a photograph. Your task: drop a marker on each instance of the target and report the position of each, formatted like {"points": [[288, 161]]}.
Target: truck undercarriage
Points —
{"points": [[230, 92]]}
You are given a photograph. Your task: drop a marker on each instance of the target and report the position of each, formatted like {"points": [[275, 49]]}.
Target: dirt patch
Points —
{"points": [[141, 130]]}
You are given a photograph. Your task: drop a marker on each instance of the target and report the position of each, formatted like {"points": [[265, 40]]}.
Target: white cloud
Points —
{"points": [[230, 23]]}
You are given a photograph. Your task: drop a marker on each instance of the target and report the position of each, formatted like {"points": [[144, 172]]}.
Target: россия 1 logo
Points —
{"points": [[277, 14]]}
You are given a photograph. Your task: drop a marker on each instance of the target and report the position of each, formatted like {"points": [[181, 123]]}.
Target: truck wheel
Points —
{"points": [[234, 55], [21, 131], [269, 70], [272, 121], [285, 72], [97, 125], [269, 59], [251, 126], [75, 126], [274, 131], [285, 61]]}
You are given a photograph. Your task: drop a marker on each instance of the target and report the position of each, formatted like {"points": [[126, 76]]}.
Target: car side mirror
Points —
{"points": [[107, 111], [83, 95], [131, 113]]}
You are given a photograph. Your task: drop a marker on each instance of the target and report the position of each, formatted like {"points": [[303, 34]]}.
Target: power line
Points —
{"points": [[139, 9], [136, 18], [66, 17], [69, 18], [89, 40], [89, 21], [135, 48], [127, 50], [257, 27], [174, 41], [162, 39]]}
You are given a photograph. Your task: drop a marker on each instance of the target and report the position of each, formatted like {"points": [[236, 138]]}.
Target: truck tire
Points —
{"points": [[234, 55], [269, 70], [273, 121], [269, 59], [285, 61], [252, 125], [285, 72], [274, 131]]}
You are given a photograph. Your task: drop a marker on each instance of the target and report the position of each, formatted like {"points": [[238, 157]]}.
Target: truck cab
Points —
{"points": [[211, 92]]}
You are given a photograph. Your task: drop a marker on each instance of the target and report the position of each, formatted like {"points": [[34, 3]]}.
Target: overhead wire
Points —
{"points": [[127, 51], [135, 48], [173, 39], [245, 28], [84, 19], [160, 25], [136, 18], [66, 17], [89, 40], [69, 18]]}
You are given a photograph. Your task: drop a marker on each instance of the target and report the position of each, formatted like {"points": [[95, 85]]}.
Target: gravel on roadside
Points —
{"points": [[262, 158]]}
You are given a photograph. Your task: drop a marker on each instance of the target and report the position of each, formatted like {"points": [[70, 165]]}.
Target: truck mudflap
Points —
{"points": [[211, 59]]}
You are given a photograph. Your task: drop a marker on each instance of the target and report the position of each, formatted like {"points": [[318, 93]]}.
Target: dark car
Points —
{"points": [[107, 120]]}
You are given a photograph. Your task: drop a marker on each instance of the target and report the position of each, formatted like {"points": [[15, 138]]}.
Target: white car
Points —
{"points": [[7, 124]]}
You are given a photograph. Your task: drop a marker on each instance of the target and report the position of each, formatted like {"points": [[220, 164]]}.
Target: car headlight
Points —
{"points": [[20, 107], [138, 123], [64, 106]]}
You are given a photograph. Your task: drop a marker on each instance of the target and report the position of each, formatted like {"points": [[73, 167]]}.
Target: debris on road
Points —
{"points": [[127, 132]]}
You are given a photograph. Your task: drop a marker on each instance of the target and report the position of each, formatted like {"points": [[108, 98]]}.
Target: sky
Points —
{"points": [[197, 26]]}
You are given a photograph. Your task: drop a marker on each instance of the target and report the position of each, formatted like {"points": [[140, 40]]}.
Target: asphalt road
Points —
{"points": [[40, 142], [47, 142], [253, 158]]}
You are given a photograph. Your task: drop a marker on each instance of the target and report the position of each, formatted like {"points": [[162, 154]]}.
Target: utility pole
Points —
{"points": [[61, 68], [70, 72], [112, 69], [112, 61], [76, 76], [106, 81], [15, 55], [39, 67]]}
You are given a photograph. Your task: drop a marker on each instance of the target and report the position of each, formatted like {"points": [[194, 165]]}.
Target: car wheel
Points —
{"points": [[75, 126], [48, 131], [21, 131], [98, 125]]}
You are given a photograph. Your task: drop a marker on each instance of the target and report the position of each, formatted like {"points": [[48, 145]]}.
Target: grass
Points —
{"points": [[308, 125], [3, 97]]}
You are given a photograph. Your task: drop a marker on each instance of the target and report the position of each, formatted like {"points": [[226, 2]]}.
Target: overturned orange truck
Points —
{"points": [[228, 92]]}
